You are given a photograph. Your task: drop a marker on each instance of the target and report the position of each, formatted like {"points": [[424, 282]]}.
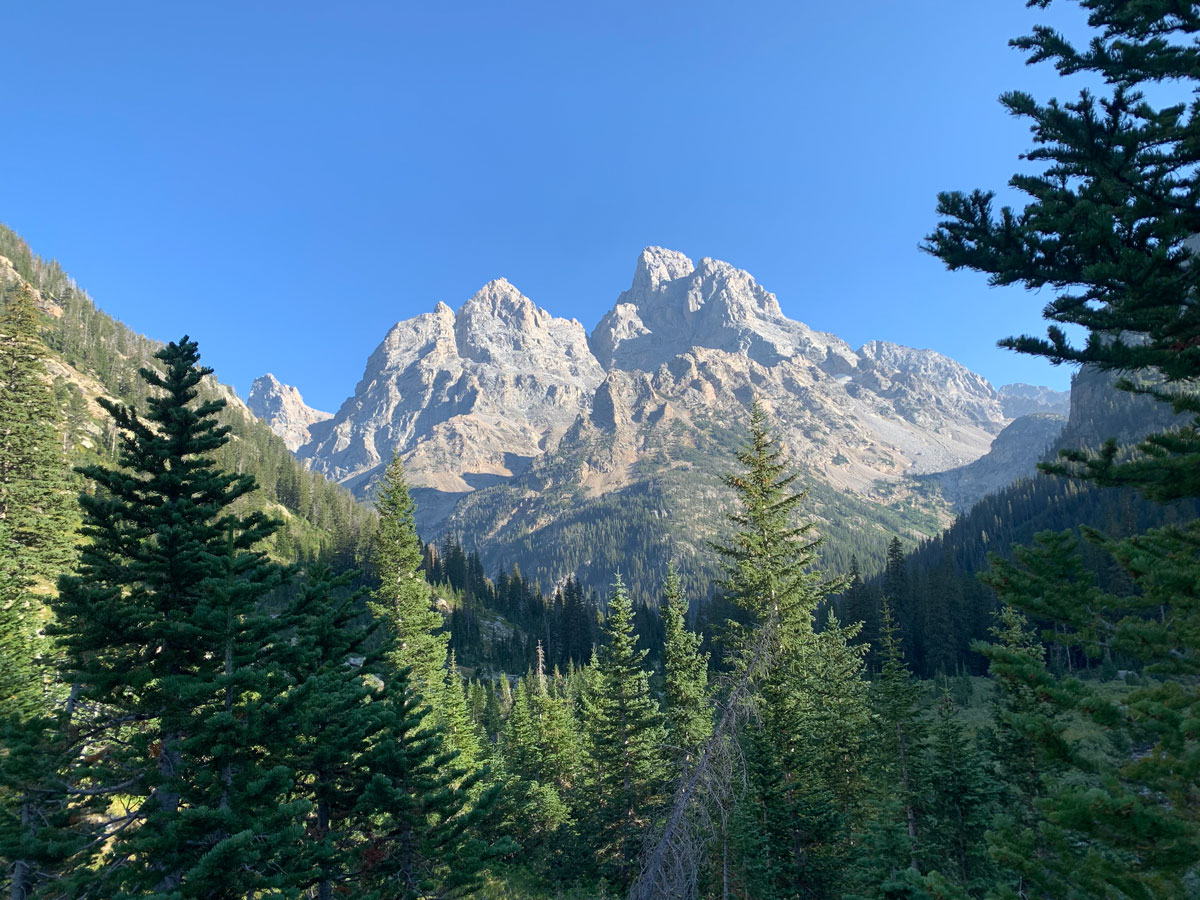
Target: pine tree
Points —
{"points": [[792, 828], [36, 532], [324, 719], [627, 738], [422, 824], [163, 631], [1110, 227], [959, 804], [891, 841], [404, 596], [685, 693], [35, 504]]}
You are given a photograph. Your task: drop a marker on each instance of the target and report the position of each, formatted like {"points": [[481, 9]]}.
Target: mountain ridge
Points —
{"points": [[502, 396]]}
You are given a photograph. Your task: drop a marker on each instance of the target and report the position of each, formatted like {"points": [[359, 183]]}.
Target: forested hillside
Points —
{"points": [[941, 605], [94, 355]]}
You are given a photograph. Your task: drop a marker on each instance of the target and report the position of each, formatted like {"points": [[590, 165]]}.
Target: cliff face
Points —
{"points": [[467, 398], [284, 410], [471, 398]]}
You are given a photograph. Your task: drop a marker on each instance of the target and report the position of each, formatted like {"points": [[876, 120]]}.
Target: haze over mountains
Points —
{"points": [[502, 395]]}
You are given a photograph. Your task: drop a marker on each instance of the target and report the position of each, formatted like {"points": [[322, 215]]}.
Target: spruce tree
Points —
{"points": [[959, 804], [891, 840], [36, 506], [404, 596], [685, 671], [163, 631], [627, 740], [423, 818], [1110, 227], [324, 718], [792, 829], [36, 533]]}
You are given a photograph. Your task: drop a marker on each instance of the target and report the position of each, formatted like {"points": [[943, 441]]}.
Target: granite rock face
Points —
{"points": [[467, 398], [284, 410], [1025, 399], [471, 398]]}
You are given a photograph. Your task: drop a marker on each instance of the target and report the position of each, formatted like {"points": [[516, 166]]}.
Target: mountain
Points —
{"points": [[1027, 399], [284, 410], [542, 445], [1013, 455]]}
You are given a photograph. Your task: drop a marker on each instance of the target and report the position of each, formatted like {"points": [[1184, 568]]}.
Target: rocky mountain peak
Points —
{"points": [[284, 410], [673, 306], [656, 265], [467, 398]]}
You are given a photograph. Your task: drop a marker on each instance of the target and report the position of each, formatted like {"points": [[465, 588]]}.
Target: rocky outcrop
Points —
{"points": [[284, 410], [673, 306], [467, 398], [1013, 455], [1025, 399]]}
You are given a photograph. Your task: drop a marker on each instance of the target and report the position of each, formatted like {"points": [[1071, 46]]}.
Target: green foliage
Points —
{"points": [[626, 739], [163, 631], [791, 830], [1111, 227], [685, 676]]}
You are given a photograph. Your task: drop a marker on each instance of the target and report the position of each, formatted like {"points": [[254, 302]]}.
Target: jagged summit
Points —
{"points": [[469, 396], [284, 410], [673, 305], [473, 398]]}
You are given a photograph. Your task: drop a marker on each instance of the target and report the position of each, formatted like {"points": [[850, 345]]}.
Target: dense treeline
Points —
{"points": [[941, 604]]}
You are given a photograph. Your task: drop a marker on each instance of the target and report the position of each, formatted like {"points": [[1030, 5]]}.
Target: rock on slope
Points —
{"points": [[282, 408]]}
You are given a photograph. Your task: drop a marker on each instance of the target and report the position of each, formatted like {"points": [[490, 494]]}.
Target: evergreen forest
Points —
{"points": [[221, 676]]}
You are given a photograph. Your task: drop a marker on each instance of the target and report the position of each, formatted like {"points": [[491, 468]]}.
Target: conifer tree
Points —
{"points": [[163, 631], [422, 825], [35, 505], [793, 826], [1111, 227], [685, 669], [404, 596], [959, 804], [627, 741], [36, 532], [323, 720], [891, 842]]}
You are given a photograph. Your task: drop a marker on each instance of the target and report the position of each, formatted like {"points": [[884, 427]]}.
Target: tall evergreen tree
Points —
{"points": [[627, 740], [1110, 227], [404, 596], [35, 504], [959, 804], [891, 842], [163, 631], [685, 671], [792, 828], [405, 599]]}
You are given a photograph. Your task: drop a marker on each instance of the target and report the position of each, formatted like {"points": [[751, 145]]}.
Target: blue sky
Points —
{"points": [[284, 181]]}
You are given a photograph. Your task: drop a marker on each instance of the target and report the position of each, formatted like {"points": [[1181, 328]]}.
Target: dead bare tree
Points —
{"points": [[707, 790]]}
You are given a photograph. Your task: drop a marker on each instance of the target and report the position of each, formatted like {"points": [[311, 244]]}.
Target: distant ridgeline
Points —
{"points": [[934, 589], [96, 356]]}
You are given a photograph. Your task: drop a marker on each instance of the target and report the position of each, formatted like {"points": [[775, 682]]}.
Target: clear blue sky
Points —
{"points": [[284, 181]]}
